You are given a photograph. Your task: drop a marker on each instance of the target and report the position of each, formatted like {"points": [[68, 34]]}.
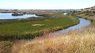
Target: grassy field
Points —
{"points": [[31, 29]]}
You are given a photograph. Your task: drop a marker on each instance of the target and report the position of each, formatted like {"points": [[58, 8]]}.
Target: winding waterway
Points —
{"points": [[83, 23]]}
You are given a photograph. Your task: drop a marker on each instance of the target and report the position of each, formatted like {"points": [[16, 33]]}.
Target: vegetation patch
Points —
{"points": [[34, 28], [37, 24]]}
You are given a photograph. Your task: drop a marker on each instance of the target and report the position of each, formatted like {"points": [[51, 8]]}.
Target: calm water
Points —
{"points": [[83, 23], [9, 16]]}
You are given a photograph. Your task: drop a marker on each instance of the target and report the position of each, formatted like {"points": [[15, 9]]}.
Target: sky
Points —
{"points": [[46, 4]]}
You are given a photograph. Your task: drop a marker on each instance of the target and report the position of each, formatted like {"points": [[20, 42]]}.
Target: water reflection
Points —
{"points": [[9, 16]]}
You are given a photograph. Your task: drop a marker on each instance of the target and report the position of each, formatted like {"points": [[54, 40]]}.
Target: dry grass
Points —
{"points": [[5, 46], [74, 42]]}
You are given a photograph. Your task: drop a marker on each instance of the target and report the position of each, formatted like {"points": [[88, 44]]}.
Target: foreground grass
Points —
{"points": [[31, 29], [74, 42]]}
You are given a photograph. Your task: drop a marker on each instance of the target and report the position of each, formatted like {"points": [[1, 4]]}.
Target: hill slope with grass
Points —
{"points": [[74, 42]]}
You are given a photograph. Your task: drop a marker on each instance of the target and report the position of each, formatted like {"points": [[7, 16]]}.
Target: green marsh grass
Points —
{"points": [[34, 28]]}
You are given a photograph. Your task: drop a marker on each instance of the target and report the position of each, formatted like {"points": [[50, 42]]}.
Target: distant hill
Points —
{"points": [[89, 9]]}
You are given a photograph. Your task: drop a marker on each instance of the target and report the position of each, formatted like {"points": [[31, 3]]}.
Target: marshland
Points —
{"points": [[46, 27]]}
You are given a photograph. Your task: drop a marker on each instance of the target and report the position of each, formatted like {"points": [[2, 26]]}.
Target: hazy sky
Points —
{"points": [[46, 4]]}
